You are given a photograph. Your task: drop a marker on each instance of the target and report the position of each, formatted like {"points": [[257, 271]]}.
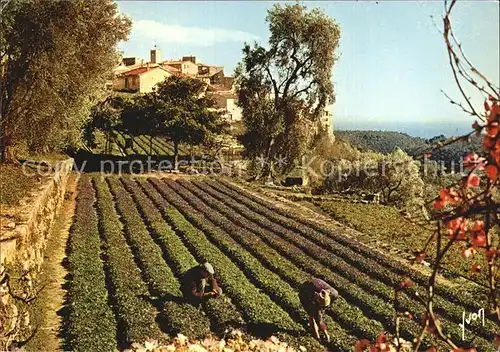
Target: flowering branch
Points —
{"points": [[467, 211]]}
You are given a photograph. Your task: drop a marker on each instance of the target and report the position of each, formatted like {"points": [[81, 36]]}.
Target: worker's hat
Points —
{"points": [[323, 298], [209, 268]]}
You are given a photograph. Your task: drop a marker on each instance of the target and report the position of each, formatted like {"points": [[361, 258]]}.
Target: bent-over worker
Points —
{"points": [[315, 296], [199, 283]]}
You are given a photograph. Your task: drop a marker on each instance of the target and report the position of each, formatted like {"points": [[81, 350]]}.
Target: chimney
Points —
{"points": [[189, 58]]}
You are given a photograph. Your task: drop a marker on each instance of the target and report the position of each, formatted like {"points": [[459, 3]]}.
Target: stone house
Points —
{"points": [[141, 79], [186, 67], [326, 120], [226, 104]]}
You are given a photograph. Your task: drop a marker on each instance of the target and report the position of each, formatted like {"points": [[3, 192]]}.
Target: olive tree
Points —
{"points": [[284, 88]]}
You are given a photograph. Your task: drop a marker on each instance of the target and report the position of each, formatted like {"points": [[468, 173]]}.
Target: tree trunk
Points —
{"points": [[176, 155], [267, 167], [8, 151], [151, 145]]}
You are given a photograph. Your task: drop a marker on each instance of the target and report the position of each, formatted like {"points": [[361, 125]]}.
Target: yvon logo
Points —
{"points": [[470, 318]]}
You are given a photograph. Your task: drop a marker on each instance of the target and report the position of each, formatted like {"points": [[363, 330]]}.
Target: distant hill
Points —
{"points": [[385, 141], [382, 141]]}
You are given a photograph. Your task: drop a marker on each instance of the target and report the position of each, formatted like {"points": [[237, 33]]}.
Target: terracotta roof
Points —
{"points": [[176, 62], [140, 70], [170, 69]]}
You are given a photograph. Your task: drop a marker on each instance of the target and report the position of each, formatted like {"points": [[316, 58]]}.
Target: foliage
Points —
{"points": [[15, 184], [448, 156], [51, 70], [396, 177], [382, 141], [105, 116], [325, 150], [284, 89], [399, 180]]}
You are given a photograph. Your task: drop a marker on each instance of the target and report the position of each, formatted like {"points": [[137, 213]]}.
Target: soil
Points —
{"points": [[50, 304]]}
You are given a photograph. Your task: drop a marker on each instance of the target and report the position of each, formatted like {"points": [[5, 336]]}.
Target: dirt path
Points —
{"points": [[50, 304]]}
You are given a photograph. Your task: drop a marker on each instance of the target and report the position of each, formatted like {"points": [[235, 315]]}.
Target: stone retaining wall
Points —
{"points": [[22, 248]]}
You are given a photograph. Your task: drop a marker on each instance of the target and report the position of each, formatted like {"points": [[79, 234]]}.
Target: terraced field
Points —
{"points": [[142, 145], [133, 238]]}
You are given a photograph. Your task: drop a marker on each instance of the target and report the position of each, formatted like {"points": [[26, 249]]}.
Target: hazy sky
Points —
{"points": [[393, 60]]}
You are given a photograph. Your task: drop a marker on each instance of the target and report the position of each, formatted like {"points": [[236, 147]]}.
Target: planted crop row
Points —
{"points": [[262, 315], [163, 148], [164, 144], [147, 145], [329, 259], [279, 291], [352, 318], [136, 148], [349, 317], [142, 145], [285, 218], [148, 254], [120, 143], [451, 302], [157, 148], [91, 323], [222, 312], [136, 317], [162, 282], [137, 145]]}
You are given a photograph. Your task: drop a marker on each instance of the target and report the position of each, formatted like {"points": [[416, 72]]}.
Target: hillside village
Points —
{"points": [[136, 75]]}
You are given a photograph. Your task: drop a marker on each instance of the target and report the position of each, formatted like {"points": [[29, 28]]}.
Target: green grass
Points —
{"points": [[385, 224], [17, 180], [14, 184]]}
